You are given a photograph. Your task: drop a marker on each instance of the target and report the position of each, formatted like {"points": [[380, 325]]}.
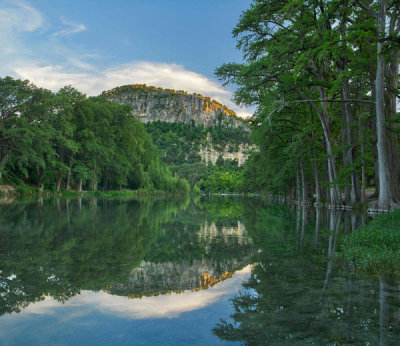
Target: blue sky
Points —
{"points": [[97, 45]]}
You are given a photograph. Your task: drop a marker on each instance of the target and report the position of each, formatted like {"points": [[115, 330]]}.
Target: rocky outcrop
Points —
{"points": [[151, 103], [210, 154]]}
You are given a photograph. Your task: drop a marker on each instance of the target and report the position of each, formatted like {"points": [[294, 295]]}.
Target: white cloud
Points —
{"points": [[16, 17], [72, 28], [93, 82], [19, 16]]}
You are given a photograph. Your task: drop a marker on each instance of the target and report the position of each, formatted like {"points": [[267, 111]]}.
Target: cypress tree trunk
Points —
{"points": [[59, 180], [298, 194], [80, 185], [334, 192], [363, 178], [315, 165], [68, 181], [347, 197], [388, 187], [351, 151], [304, 194]]}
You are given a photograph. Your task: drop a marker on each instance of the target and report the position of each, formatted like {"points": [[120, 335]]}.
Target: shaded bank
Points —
{"points": [[375, 247]]}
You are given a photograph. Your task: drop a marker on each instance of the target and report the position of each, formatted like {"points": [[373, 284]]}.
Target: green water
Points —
{"points": [[185, 272]]}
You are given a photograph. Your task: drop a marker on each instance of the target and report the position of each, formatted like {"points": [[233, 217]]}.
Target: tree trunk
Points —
{"points": [[347, 197], [2, 165], [304, 194], [351, 151], [363, 178], [315, 165], [334, 192], [59, 180], [68, 181], [298, 194], [80, 185], [387, 190]]}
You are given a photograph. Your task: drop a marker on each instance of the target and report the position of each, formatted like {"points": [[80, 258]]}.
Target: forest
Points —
{"points": [[64, 140], [179, 146], [324, 78]]}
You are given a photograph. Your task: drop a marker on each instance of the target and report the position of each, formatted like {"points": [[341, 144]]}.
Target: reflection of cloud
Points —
{"points": [[164, 306], [163, 75]]}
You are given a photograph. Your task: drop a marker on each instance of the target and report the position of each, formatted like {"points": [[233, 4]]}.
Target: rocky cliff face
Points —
{"points": [[151, 103], [210, 154]]}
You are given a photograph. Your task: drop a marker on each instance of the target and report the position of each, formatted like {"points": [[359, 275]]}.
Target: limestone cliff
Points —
{"points": [[151, 103]]}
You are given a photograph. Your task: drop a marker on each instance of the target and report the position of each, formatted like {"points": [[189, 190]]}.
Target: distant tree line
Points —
{"points": [[64, 140], [324, 77]]}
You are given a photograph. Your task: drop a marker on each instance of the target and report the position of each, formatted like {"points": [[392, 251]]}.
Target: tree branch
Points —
{"points": [[367, 9]]}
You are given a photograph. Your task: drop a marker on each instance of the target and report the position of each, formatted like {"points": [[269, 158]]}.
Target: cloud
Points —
{"points": [[72, 28], [93, 82], [16, 17], [19, 59]]}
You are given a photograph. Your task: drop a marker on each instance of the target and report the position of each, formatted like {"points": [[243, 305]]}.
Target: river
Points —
{"points": [[206, 271]]}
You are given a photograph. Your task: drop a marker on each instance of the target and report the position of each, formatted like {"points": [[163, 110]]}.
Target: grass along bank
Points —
{"points": [[375, 248]]}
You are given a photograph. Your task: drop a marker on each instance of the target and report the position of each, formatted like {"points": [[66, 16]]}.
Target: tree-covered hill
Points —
{"points": [[64, 140]]}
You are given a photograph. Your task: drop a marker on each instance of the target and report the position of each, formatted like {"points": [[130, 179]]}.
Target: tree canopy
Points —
{"points": [[316, 71], [64, 139]]}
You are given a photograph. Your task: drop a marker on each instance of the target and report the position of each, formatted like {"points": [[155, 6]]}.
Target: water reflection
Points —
{"points": [[302, 291], [152, 307], [55, 249], [96, 262]]}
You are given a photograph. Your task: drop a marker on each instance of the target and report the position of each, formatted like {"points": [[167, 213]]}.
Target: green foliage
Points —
{"points": [[222, 180], [56, 141], [375, 247], [58, 247], [302, 63], [192, 172], [180, 143]]}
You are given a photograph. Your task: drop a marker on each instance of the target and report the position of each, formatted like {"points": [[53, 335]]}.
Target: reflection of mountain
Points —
{"points": [[58, 247], [192, 258], [209, 231], [161, 278]]}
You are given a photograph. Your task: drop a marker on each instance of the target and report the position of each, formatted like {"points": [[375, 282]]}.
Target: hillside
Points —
{"points": [[187, 128], [151, 103]]}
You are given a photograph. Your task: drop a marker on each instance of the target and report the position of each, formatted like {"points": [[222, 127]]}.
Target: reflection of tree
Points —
{"points": [[214, 217], [203, 245], [58, 247], [307, 295]]}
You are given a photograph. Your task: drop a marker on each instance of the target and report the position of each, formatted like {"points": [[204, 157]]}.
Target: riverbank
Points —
{"points": [[9, 191], [374, 248]]}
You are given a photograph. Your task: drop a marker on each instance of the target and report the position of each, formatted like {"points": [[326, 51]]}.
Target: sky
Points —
{"points": [[96, 45]]}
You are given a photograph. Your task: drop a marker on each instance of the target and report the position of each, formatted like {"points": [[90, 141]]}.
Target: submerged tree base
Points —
{"points": [[375, 248]]}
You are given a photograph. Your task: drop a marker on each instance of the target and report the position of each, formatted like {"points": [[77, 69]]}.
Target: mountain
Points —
{"points": [[150, 104], [187, 128]]}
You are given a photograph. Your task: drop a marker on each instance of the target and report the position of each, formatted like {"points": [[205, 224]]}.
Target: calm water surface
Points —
{"points": [[201, 272]]}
